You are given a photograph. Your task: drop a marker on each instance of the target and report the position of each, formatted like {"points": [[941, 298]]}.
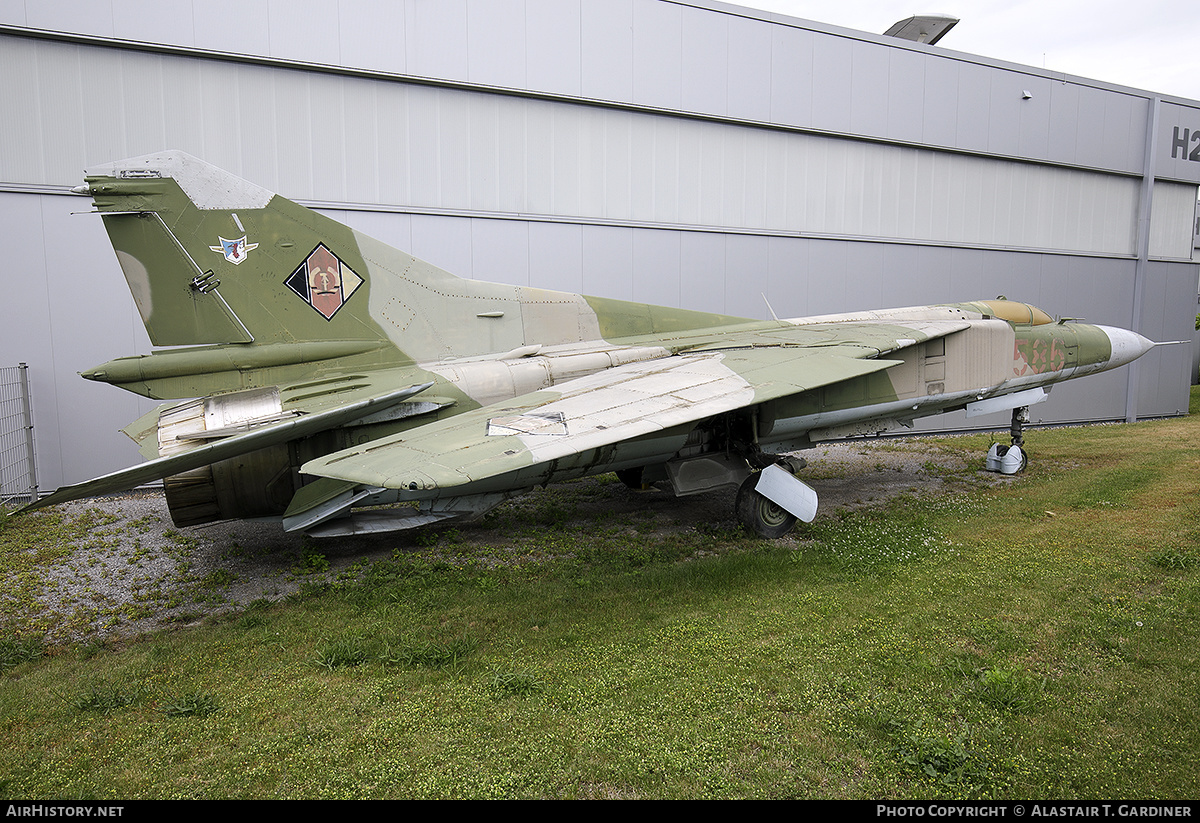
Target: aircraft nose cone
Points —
{"points": [[1127, 346]]}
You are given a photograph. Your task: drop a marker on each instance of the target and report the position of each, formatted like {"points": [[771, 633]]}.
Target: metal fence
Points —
{"points": [[18, 470]]}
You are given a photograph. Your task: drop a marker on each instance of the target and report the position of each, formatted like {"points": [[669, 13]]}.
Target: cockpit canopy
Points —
{"points": [[1022, 314]]}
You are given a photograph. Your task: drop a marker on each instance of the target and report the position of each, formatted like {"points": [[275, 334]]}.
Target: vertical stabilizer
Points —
{"points": [[211, 258]]}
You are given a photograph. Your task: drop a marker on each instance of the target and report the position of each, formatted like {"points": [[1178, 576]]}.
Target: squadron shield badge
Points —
{"points": [[234, 251], [324, 281]]}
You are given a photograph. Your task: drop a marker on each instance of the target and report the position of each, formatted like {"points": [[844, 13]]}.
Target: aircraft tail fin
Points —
{"points": [[211, 258]]}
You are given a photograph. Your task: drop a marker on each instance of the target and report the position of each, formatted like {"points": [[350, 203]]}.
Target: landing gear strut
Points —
{"points": [[1011, 459]]}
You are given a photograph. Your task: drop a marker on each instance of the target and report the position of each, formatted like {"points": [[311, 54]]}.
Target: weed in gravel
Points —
{"points": [[217, 579], [312, 561]]}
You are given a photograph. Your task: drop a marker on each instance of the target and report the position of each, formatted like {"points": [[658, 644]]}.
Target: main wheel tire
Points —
{"points": [[759, 515]]}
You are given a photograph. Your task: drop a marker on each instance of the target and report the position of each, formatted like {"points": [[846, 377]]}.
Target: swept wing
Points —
{"points": [[580, 417]]}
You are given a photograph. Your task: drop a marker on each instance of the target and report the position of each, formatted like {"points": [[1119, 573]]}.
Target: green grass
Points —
{"points": [[1036, 638]]}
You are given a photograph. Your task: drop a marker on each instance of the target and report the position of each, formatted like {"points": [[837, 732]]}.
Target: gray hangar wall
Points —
{"points": [[686, 153]]}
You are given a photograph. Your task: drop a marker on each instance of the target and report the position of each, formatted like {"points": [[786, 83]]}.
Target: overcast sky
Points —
{"points": [[1148, 44]]}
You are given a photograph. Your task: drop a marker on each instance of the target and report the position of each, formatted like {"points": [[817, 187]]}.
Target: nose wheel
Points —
{"points": [[1011, 459]]}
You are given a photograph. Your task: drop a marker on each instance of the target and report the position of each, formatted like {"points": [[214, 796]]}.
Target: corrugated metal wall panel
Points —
{"points": [[704, 44], [435, 39], [870, 90], [363, 141], [1164, 374], [552, 48], [656, 269], [606, 50], [1172, 220], [702, 270], [972, 101], [495, 35], [830, 78], [89, 18], [443, 241], [308, 30], [748, 95], [1033, 115], [555, 256], [453, 129], [941, 104], [907, 92], [494, 153], [393, 169], [791, 75], [370, 33], [746, 275], [60, 91], [23, 156], [500, 251], [608, 262], [657, 54], [181, 118], [146, 20], [598, 47]]}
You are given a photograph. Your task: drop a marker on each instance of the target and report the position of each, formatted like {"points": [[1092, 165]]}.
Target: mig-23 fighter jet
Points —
{"points": [[336, 373]]}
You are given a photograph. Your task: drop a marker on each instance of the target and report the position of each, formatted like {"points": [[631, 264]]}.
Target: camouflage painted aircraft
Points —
{"points": [[337, 373]]}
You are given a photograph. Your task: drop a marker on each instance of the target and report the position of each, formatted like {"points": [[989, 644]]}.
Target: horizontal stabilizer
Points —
{"points": [[260, 438]]}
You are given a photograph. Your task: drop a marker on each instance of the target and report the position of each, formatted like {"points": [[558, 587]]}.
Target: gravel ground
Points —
{"points": [[136, 573]]}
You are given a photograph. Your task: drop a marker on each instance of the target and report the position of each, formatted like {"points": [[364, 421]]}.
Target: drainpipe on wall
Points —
{"points": [[1145, 201]]}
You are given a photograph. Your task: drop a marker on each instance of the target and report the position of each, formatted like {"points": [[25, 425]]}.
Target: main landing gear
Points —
{"points": [[1011, 459], [771, 501], [761, 516]]}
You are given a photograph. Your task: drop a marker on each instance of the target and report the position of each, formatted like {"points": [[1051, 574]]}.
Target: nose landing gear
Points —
{"points": [[1011, 459]]}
